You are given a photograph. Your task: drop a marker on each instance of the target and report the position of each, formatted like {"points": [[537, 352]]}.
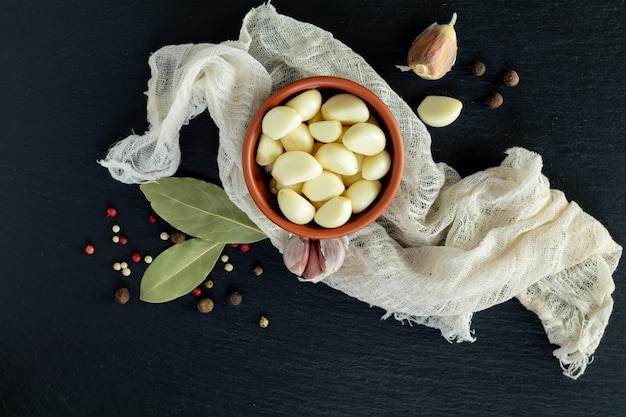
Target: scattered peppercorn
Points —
{"points": [[116, 228], [197, 292], [233, 245], [264, 322], [152, 218], [494, 100], [511, 78], [115, 239], [164, 236], [209, 283], [147, 259], [122, 295], [123, 240], [124, 265], [258, 270], [136, 257], [89, 249], [234, 298], [177, 236], [245, 247], [224, 258], [205, 305], [111, 212], [478, 68], [228, 267], [117, 266], [126, 272]]}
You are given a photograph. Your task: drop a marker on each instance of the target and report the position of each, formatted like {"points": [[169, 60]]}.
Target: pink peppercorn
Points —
{"points": [[136, 257], [152, 218], [111, 212], [197, 292], [123, 240], [233, 245], [89, 249], [245, 247]]}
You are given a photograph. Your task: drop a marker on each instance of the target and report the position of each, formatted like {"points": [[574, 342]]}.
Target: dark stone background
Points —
{"points": [[73, 76]]}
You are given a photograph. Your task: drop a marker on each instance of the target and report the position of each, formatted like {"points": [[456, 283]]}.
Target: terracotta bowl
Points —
{"points": [[257, 180]]}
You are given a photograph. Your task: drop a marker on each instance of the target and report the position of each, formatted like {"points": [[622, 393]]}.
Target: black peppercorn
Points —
{"points": [[494, 100], [122, 295], [478, 68], [234, 298], [511, 78], [177, 236], [205, 305]]}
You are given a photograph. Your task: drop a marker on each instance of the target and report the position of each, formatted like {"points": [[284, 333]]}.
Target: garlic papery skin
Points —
{"points": [[333, 253], [433, 52]]}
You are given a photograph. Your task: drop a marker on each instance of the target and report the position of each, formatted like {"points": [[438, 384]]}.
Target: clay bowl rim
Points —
{"points": [[256, 179]]}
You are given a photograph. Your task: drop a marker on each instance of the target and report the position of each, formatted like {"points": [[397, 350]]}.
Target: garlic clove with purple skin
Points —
{"points": [[296, 254], [433, 52], [315, 264]]}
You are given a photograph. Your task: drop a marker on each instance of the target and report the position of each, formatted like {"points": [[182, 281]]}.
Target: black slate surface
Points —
{"points": [[73, 75]]}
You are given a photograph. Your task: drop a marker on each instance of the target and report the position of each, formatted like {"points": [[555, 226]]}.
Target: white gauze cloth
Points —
{"points": [[446, 247]]}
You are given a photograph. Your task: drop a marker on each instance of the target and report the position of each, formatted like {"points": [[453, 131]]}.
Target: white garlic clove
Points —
{"points": [[334, 213], [376, 166], [365, 138], [268, 150], [326, 131], [279, 121], [337, 158], [345, 107], [363, 193], [439, 111], [295, 166], [299, 139], [295, 207], [307, 103], [323, 187]]}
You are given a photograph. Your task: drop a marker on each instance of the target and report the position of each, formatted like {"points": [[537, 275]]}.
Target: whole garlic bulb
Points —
{"points": [[433, 52], [313, 259]]}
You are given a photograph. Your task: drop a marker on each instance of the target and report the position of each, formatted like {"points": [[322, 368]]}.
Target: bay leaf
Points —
{"points": [[178, 270], [200, 209]]}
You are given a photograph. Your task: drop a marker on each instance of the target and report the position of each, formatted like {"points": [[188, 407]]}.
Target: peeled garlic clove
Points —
{"points": [[296, 254], [268, 150], [297, 187], [334, 213], [363, 193], [333, 253], [307, 104], [295, 166], [295, 207], [433, 52], [323, 187], [439, 111], [337, 158], [345, 107], [326, 131], [365, 138], [299, 139], [376, 166], [279, 121]]}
